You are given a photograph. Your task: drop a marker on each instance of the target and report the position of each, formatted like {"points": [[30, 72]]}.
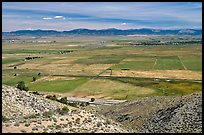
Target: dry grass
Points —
{"points": [[173, 74], [107, 88], [52, 78]]}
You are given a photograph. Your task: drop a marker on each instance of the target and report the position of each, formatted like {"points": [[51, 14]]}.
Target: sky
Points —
{"points": [[100, 15]]}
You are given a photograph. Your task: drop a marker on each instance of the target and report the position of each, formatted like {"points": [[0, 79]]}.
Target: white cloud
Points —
{"points": [[124, 15], [123, 23], [57, 17], [47, 18]]}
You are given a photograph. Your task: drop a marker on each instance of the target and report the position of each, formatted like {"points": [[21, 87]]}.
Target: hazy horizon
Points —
{"points": [[65, 16], [90, 29]]}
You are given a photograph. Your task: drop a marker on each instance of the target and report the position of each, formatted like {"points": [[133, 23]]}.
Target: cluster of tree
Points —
{"points": [[166, 43], [52, 97], [64, 52], [186, 42], [30, 58], [76, 104], [63, 100], [21, 86], [36, 93]]}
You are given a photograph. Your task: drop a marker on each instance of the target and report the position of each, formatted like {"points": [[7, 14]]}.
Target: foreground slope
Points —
{"points": [[26, 112], [175, 114]]}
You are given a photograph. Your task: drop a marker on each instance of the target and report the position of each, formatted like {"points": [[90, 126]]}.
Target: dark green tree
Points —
{"points": [[63, 100], [92, 99], [34, 79], [21, 86]]}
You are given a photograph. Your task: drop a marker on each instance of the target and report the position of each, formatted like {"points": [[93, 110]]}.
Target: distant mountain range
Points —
{"points": [[111, 31]]}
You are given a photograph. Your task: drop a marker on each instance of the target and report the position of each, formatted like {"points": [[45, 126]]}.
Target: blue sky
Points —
{"points": [[101, 15]]}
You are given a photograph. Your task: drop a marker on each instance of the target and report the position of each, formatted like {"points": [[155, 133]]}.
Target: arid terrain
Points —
{"points": [[26, 112], [82, 85]]}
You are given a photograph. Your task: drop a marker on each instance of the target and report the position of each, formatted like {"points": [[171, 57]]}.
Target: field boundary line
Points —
{"points": [[182, 63], [154, 63]]}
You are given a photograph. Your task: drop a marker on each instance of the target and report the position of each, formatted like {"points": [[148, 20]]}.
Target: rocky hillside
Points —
{"points": [[176, 114], [26, 112]]}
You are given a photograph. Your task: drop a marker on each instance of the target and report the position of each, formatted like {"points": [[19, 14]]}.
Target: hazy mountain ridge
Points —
{"points": [[111, 31]]}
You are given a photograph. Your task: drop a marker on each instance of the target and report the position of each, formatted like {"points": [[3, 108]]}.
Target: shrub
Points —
{"points": [[63, 100], [87, 103], [92, 99], [99, 124], [48, 113], [78, 120], [63, 111], [65, 108], [26, 89], [48, 96], [21, 86], [74, 104], [35, 92], [108, 121], [125, 69], [52, 97], [84, 104], [4, 119], [34, 79], [27, 124]]}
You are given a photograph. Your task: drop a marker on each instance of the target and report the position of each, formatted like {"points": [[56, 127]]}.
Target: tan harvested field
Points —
{"points": [[51, 78], [106, 89], [168, 74]]}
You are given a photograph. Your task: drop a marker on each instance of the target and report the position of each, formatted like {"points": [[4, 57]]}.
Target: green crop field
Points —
{"points": [[192, 62], [136, 63], [60, 86], [168, 63], [89, 61], [162, 86]]}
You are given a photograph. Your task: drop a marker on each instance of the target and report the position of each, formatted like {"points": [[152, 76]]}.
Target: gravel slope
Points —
{"points": [[25, 112], [176, 114]]}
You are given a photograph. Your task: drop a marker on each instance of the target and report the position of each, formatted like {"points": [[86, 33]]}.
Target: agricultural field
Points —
{"points": [[85, 67]]}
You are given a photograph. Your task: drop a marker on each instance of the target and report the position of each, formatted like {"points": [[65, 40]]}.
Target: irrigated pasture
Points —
{"points": [[114, 70]]}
